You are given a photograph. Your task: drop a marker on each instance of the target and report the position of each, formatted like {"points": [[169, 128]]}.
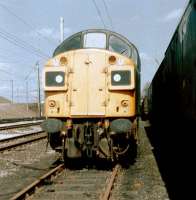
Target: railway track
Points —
{"points": [[9, 143], [20, 124], [61, 183], [141, 181], [13, 120]]}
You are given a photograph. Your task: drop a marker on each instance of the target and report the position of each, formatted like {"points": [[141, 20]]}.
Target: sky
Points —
{"points": [[29, 33]]}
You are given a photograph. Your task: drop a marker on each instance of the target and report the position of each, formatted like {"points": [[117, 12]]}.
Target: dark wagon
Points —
{"points": [[174, 84], [172, 107]]}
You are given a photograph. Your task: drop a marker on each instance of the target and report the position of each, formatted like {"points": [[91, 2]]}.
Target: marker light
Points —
{"points": [[63, 60], [112, 60]]}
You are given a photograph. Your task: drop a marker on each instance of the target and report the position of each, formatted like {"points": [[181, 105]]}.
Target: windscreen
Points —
{"points": [[95, 40]]}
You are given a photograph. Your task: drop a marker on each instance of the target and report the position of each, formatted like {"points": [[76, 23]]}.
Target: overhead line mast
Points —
{"points": [[61, 29]]}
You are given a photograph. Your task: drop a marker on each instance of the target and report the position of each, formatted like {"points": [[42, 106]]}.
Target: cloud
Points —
{"points": [[5, 87], [174, 14], [50, 32], [5, 66]]}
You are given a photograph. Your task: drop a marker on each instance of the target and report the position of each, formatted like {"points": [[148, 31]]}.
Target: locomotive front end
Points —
{"points": [[91, 95]]}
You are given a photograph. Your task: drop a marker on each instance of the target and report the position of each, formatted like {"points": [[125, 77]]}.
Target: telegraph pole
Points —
{"points": [[12, 88], [27, 95], [17, 95], [39, 94]]}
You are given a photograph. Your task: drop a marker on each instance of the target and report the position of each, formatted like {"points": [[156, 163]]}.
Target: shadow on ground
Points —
{"points": [[174, 144]]}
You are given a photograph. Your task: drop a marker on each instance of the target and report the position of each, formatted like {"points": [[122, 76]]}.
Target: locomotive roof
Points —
{"points": [[61, 47]]}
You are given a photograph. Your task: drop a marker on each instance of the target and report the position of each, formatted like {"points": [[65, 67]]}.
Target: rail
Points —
{"points": [[21, 124], [37, 183], [10, 146], [106, 194]]}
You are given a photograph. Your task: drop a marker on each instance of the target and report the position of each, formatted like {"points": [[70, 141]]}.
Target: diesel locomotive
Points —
{"points": [[92, 95]]}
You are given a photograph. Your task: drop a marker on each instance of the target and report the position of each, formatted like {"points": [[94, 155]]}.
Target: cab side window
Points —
{"points": [[135, 56], [67, 45], [119, 46], [73, 43]]}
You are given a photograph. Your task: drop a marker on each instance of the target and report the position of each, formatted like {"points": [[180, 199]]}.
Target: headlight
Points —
{"points": [[55, 78], [117, 77], [120, 77], [59, 78]]}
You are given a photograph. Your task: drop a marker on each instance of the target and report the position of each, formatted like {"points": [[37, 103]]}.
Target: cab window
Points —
{"points": [[135, 56], [119, 46], [95, 40], [67, 45]]}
